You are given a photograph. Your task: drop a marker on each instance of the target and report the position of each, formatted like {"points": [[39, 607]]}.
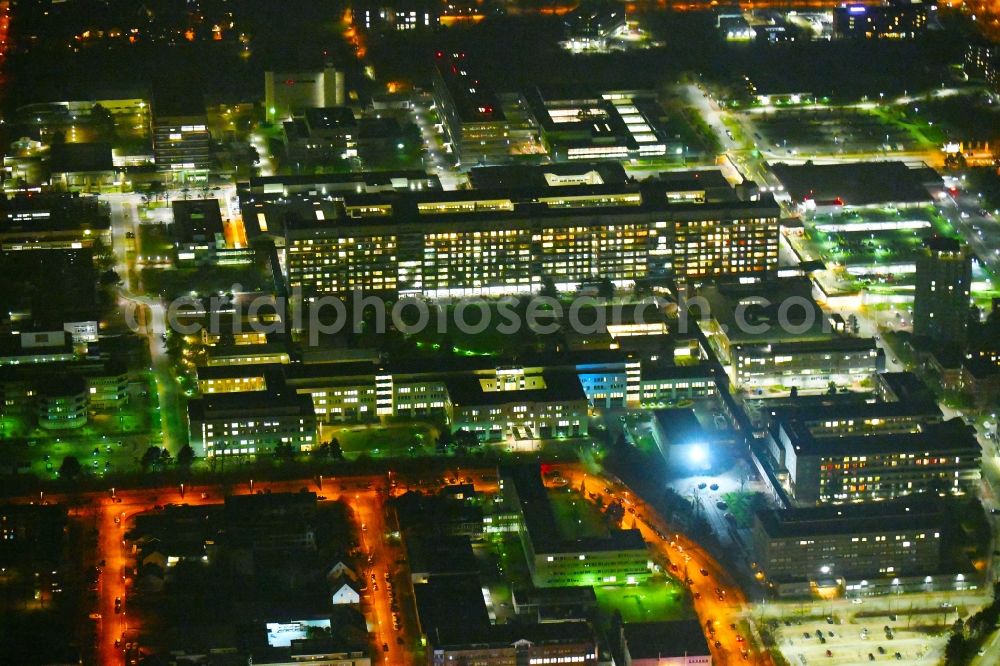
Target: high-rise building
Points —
{"points": [[181, 142], [470, 111], [982, 61], [941, 301]]}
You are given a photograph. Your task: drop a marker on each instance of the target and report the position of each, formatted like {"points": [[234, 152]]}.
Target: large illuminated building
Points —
{"points": [[470, 112], [251, 423], [900, 538], [806, 364], [181, 142], [52, 221], [896, 19], [982, 61], [503, 401], [557, 558], [493, 242], [942, 298], [872, 452], [290, 93]]}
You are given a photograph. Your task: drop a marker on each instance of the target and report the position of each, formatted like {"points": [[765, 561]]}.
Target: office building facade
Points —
{"points": [[887, 539], [806, 364], [245, 424], [476, 243]]}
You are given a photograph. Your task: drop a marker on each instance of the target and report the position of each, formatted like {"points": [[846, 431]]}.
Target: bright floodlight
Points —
{"points": [[698, 454], [824, 569]]}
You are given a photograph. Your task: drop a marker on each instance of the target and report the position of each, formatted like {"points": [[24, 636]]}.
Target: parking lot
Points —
{"points": [[851, 642], [905, 629], [828, 131]]}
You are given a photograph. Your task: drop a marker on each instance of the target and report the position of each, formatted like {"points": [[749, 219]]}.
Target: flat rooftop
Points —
{"points": [[914, 512], [665, 640], [196, 220], [951, 437], [855, 183], [760, 305], [540, 519], [474, 100]]}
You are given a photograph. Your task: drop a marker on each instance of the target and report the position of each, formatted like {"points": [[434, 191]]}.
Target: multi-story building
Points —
{"points": [[897, 538], [470, 112], [613, 125], [806, 364], [501, 400], [250, 354], [400, 16], [982, 61], [834, 458], [288, 94], [61, 403], [323, 135], [250, 423], [181, 142], [199, 235], [475, 242], [895, 19], [475, 640], [52, 221], [942, 297], [559, 560], [519, 406]]}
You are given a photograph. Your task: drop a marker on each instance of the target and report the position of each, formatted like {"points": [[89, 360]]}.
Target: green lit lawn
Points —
{"points": [[658, 599], [575, 516], [377, 440]]}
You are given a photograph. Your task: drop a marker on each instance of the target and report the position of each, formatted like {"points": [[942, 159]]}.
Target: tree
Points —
{"points": [[185, 457], [606, 289], [70, 468], [445, 440], [831, 388], [336, 452], [150, 458], [285, 452], [465, 438], [321, 453], [110, 277], [548, 289], [103, 123]]}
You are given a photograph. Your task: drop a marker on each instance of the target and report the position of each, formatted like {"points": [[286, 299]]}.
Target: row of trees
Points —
{"points": [[154, 458], [968, 636]]}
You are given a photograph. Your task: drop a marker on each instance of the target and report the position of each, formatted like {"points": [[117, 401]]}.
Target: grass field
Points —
{"points": [[575, 516], [658, 599], [391, 440]]}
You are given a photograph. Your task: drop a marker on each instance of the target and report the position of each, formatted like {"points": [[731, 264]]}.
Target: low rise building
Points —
{"points": [[620, 557], [806, 364], [677, 643], [52, 221], [61, 403], [251, 423], [518, 406], [200, 237]]}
